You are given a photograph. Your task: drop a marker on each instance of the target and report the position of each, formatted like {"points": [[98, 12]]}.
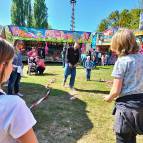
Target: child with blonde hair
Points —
{"points": [[127, 87], [16, 120]]}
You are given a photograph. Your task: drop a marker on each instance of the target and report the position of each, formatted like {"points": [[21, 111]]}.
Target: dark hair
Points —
{"points": [[6, 54], [6, 51]]}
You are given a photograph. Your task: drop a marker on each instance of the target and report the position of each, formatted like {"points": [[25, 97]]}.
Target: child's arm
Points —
{"points": [[28, 137], [93, 66], [115, 90], [85, 64]]}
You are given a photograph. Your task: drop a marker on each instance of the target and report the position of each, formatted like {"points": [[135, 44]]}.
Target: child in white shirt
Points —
{"points": [[16, 119]]}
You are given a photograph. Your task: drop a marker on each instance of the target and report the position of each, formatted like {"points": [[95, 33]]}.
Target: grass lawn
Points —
{"points": [[86, 118]]}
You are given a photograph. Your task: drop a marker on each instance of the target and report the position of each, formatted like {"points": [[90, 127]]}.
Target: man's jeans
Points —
{"points": [[14, 82], [70, 71]]}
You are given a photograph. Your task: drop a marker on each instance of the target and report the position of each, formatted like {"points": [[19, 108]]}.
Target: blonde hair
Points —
{"points": [[124, 42], [6, 54]]}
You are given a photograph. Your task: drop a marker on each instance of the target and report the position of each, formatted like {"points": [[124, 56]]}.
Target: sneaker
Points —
{"points": [[19, 94], [72, 89]]}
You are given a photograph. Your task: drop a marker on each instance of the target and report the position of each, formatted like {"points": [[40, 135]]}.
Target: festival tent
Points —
{"points": [[50, 41], [105, 37], [101, 43]]}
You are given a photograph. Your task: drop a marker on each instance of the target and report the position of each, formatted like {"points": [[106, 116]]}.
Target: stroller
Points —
{"points": [[32, 66]]}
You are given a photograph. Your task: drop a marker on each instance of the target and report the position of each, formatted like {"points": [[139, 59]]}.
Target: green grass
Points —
{"points": [[85, 119]]}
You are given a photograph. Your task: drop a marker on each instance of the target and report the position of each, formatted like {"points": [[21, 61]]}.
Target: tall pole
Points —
{"points": [[141, 5], [73, 2], [141, 14]]}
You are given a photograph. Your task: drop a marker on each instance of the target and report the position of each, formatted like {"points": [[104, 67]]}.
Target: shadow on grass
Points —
{"points": [[100, 68], [93, 91], [54, 64], [59, 119], [103, 67], [80, 67]]}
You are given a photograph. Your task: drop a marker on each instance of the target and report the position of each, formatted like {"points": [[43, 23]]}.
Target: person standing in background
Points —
{"points": [[71, 59], [14, 80], [63, 53]]}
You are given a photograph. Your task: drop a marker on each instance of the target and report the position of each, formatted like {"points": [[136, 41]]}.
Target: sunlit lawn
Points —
{"points": [[63, 119]]}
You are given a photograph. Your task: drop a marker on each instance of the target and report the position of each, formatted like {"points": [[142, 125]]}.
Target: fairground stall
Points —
{"points": [[139, 35], [101, 43], [139, 39], [49, 43]]}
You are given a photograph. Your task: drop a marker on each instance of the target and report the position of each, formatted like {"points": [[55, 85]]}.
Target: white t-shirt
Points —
{"points": [[15, 118], [130, 69]]}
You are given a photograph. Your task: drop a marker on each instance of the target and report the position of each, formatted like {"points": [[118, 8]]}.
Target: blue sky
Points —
{"points": [[88, 13]]}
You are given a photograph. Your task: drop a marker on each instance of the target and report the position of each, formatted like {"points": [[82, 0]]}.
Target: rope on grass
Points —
{"points": [[45, 97], [36, 103]]}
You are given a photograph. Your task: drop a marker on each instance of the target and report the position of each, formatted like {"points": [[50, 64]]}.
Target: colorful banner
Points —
{"points": [[104, 38], [25, 33]]}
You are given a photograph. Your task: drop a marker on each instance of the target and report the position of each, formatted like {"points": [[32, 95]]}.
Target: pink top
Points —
{"points": [[32, 54], [41, 63]]}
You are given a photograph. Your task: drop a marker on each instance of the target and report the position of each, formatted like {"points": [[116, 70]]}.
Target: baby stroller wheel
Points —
{"points": [[28, 72]]}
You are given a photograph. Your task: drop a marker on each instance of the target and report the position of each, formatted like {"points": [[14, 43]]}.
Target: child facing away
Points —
{"points": [[88, 66], [16, 120], [127, 87]]}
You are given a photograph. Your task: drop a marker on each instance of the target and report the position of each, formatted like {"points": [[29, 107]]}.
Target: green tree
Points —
{"points": [[103, 25], [125, 18], [28, 13], [17, 12], [135, 15], [113, 18], [40, 14]]}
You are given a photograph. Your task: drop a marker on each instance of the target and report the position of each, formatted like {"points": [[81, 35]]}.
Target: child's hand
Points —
{"points": [[107, 98]]}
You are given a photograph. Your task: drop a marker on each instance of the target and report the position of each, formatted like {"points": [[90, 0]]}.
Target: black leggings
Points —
{"points": [[125, 138], [40, 70]]}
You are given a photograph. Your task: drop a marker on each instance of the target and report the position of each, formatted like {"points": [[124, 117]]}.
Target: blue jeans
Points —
{"points": [[70, 71], [14, 82], [88, 73], [63, 62]]}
